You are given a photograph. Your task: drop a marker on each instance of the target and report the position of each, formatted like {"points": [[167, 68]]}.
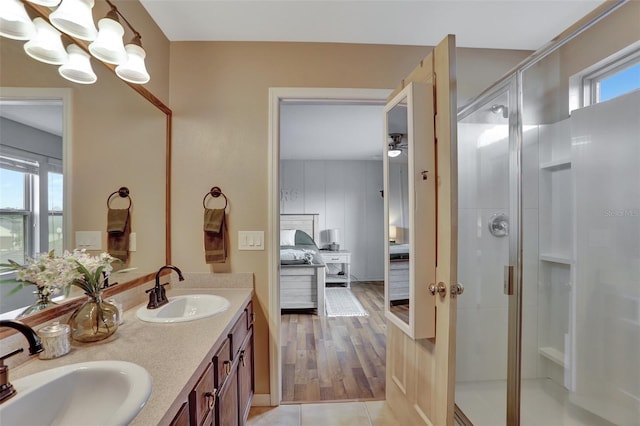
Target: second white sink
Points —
{"points": [[185, 308]]}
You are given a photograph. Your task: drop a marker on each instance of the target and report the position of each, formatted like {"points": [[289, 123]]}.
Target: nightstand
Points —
{"points": [[343, 257]]}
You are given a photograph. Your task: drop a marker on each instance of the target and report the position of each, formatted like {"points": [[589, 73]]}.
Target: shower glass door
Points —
{"points": [[485, 246]]}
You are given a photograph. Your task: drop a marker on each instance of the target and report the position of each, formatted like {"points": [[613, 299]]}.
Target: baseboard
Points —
{"points": [[261, 400]]}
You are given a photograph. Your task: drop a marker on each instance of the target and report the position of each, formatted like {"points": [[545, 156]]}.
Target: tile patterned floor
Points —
{"points": [[370, 413]]}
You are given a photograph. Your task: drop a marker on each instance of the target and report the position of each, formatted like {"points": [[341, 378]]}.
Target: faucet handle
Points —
{"points": [[9, 355]]}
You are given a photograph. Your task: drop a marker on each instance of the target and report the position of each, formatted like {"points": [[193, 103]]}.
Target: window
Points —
{"points": [[31, 205], [612, 79], [16, 208]]}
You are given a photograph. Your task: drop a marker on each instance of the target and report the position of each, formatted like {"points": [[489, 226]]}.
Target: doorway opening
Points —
{"points": [[319, 170]]}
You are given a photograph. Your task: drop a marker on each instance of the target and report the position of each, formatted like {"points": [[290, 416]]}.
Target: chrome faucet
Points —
{"points": [[157, 294], [6, 388]]}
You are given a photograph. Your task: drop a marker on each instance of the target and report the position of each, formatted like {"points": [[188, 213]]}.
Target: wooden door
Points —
{"points": [[421, 373]]}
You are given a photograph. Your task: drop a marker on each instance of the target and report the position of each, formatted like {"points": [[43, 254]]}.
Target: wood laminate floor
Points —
{"points": [[338, 358]]}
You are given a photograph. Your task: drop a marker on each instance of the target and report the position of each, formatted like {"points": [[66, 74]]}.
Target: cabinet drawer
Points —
{"points": [[335, 258], [238, 333], [222, 363], [202, 398]]}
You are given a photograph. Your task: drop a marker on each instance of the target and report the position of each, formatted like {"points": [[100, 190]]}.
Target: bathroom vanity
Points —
{"points": [[202, 370]]}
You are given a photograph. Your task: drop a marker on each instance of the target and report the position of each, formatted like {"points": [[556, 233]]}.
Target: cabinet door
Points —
{"points": [[227, 405], [202, 398], [182, 418], [245, 377]]}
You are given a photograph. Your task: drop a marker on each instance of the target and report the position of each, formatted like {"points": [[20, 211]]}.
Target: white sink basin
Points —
{"points": [[185, 308], [87, 393]]}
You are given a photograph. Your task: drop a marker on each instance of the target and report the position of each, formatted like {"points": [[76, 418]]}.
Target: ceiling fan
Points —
{"points": [[397, 145]]}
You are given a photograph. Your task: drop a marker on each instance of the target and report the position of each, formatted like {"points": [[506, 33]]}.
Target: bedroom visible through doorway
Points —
{"points": [[332, 333]]}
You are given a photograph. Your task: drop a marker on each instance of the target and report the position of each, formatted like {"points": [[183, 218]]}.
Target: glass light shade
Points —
{"points": [[48, 3], [108, 46], [14, 21], [46, 46], [74, 18], [78, 68], [133, 69], [394, 153]]}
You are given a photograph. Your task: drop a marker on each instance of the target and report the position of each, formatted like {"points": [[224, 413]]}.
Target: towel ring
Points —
{"points": [[122, 192], [215, 192]]}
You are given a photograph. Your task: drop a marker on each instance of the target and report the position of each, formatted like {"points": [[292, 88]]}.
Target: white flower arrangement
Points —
{"points": [[51, 274]]}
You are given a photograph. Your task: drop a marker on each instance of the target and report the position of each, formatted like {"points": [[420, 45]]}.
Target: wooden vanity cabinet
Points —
{"points": [[237, 385], [222, 396]]}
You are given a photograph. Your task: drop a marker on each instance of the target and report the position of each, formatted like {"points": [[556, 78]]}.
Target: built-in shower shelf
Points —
{"points": [[554, 165], [555, 258], [552, 354]]}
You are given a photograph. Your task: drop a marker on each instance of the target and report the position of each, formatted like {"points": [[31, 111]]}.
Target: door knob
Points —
{"points": [[440, 288], [457, 290]]}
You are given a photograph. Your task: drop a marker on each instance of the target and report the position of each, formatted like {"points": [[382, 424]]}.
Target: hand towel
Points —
{"points": [[118, 230], [215, 250]]}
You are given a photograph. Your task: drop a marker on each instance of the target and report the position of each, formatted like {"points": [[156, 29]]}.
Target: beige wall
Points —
{"points": [[219, 97]]}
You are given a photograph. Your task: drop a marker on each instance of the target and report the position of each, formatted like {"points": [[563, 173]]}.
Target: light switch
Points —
{"points": [[250, 240], [89, 240]]}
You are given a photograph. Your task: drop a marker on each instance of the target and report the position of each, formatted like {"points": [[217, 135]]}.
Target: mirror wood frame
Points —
{"points": [[421, 207], [73, 304]]}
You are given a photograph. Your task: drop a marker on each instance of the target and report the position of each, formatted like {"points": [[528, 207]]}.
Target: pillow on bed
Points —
{"points": [[304, 239], [287, 237]]}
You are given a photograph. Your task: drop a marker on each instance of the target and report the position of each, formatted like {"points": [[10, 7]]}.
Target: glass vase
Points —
{"points": [[94, 320], [43, 302]]}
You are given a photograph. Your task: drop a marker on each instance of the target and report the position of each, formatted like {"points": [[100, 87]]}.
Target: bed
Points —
{"points": [[302, 271]]}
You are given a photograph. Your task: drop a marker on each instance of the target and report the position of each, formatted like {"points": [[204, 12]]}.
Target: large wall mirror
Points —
{"points": [[410, 210], [109, 136]]}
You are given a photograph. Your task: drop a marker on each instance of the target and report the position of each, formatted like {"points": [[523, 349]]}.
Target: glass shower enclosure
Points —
{"points": [[549, 239]]}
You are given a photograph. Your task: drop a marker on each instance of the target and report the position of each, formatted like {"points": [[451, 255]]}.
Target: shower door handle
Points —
{"points": [[508, 280]]}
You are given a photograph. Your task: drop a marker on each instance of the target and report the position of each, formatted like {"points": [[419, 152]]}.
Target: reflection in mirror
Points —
{"points": [[114, 138], [397, 193], [409, 192]]}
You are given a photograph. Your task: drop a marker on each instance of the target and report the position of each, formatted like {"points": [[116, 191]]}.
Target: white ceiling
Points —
{"points": [[501, 24], [45, 115], [331, 132]]}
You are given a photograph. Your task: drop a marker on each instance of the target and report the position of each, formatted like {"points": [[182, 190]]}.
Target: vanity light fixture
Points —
{"points": [[14, 21], [133, 70], [78, 67], [46, 46], [74, 17], [47, 3], [108, 46]]}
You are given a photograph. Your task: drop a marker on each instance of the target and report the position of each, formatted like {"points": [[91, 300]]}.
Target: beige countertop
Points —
{"points": [[171, 353]]}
